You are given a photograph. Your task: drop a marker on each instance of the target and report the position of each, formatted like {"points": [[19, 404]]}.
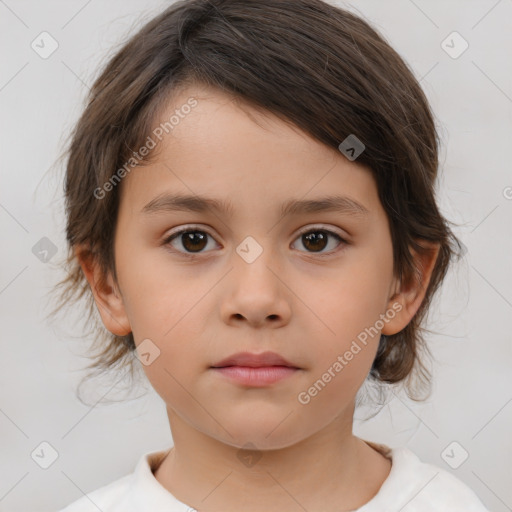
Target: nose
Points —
{"points": [[256, 293]]}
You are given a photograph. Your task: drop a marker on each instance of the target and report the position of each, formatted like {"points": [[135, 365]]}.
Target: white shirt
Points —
{"points": [[411, 486]]}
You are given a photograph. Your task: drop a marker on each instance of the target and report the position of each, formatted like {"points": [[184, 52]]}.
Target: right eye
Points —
{"points": [[192, 240]]}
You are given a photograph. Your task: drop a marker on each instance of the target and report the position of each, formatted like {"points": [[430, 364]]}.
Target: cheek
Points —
{"points": [[159, 296], [350, 306], [165, 307], [354, 298], [179, 354]]}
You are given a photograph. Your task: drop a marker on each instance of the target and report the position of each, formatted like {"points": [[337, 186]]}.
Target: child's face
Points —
{"points": [[306, 306]]}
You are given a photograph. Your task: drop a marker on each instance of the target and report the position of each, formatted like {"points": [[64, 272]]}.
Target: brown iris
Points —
{"points": [[315, 240], [194, 240]]}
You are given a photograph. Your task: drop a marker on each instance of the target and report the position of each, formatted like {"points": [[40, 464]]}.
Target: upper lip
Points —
{"points": [[254, 360]]}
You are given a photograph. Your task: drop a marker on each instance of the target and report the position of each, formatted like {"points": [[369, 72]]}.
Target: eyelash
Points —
{"points": [[193, 229]]}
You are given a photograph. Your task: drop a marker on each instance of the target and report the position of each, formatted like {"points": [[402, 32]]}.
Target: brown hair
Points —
{"points": [[310, 63]]}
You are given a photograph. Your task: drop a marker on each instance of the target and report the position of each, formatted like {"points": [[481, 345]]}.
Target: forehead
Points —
{"points": [[222, 148], [218, 121]]}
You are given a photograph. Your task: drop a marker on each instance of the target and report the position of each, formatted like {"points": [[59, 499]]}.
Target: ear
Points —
{"points": [[406, 301], [106, 294]]}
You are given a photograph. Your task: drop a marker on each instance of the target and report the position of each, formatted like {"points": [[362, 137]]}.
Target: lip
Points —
{"points": [[255, 376], [255, 370], [251, 360]]}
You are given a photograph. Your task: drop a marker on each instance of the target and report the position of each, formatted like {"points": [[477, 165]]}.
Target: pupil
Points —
{"points": [[315, 237], [190, 240]]}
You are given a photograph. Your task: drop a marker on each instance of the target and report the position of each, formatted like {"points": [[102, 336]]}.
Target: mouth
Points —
{"points": [[252, 360], [255, 370]]}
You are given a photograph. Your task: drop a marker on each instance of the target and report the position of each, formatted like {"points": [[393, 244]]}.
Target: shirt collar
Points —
{"points": [[147, 494]]}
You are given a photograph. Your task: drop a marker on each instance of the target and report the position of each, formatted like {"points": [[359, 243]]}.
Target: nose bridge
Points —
{"points": [[255, 256], [256, 292]]}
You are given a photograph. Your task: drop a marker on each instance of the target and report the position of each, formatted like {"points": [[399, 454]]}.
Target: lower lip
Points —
{"points": [[256, 376]]}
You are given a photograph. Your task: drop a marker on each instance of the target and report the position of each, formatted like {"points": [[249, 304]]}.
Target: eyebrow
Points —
{"points": [[178, 202]]}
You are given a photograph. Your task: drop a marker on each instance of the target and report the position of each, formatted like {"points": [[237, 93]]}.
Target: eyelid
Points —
{"points": [[319, 227], [188, 227]]}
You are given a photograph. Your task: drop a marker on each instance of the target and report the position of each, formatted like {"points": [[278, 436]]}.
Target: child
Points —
{"points": [[294, 146]]}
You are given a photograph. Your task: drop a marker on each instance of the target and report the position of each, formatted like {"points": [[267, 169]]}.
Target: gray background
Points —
{"points": [[42, 363]]}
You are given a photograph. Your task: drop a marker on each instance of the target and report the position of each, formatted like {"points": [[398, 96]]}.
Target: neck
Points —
{"points": [[320, 472]]}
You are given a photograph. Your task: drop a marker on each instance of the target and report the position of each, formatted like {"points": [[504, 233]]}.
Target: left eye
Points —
{"points": [[317, 239], [195, 240]]}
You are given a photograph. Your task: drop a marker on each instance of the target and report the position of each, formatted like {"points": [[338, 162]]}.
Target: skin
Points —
{"points": [[289, 300]]}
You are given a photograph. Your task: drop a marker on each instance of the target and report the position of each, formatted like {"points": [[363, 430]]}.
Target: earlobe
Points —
{"points": [[407, 300], [108, 299]]}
